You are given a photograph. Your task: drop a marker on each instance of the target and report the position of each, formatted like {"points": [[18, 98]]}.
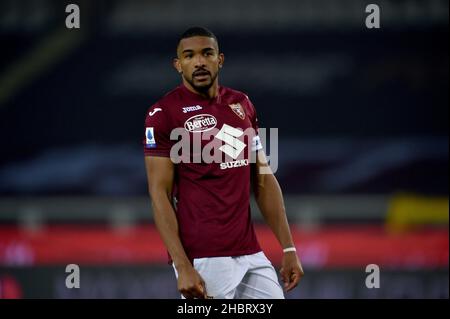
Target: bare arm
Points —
{"points": [[270, 202], [160, 174]]}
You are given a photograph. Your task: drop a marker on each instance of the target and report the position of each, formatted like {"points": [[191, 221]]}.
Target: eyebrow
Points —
{"points": [[203, 50]]}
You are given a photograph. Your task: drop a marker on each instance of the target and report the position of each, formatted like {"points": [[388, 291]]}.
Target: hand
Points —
{"points": [[190, 283], [291, 270]]}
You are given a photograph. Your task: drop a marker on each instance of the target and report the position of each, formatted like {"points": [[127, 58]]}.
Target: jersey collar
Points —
{"points": [[198, 97]]}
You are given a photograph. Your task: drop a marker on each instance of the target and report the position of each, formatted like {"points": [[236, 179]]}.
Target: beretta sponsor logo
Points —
{"points": [[200, 123]]}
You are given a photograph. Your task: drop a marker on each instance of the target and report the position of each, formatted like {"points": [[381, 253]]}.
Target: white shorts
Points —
{"points": [[243, 277]]}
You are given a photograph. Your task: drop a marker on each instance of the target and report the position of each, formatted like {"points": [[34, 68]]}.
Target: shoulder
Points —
{"points": [[160, 113], [170, 98], [165, 106], [232, 96]]}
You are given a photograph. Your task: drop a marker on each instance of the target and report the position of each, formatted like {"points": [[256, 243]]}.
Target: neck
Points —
{"points": [[208, 94]]}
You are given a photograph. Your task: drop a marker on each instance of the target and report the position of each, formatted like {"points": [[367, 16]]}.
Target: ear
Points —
{"points": [[177, 65], [221, 59]]}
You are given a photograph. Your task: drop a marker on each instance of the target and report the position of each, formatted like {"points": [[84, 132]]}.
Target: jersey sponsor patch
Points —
{"points": [[230, 135], [200, 123], [234, 164], [256, 143], [150, 137], [191, 108]]}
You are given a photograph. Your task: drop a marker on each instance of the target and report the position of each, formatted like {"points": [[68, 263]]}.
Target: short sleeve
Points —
{"points": [[156, 141], [256, 142]]}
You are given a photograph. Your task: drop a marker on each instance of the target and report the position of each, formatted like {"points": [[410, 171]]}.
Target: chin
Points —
{"points": [[202, 86]]}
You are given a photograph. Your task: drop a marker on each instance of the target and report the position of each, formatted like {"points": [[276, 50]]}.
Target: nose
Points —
{"points": [[199, 61]]}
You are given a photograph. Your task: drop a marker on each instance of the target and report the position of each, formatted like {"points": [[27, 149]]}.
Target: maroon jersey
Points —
{"points": [[212, 196]]}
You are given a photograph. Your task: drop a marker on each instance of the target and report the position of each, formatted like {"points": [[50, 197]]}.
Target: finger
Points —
{"points": [[187, 294], [199, 291], [302, 273], [294, 280], [190, 293], [283, 275], [286, 280], [202, 287], [205, 294], [292, 284]]}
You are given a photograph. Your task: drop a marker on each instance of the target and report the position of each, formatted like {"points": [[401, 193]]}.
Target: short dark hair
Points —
{"points": [[197, 32]]}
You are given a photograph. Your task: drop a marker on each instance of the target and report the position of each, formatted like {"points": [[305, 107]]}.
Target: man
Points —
{"points": [[202, 208]]}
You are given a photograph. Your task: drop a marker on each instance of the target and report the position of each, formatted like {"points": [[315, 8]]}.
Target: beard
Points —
{"points": [[203, 86]]}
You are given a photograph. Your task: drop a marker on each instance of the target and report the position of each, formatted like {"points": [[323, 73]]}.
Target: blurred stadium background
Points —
{"points": [[362, 117]]}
